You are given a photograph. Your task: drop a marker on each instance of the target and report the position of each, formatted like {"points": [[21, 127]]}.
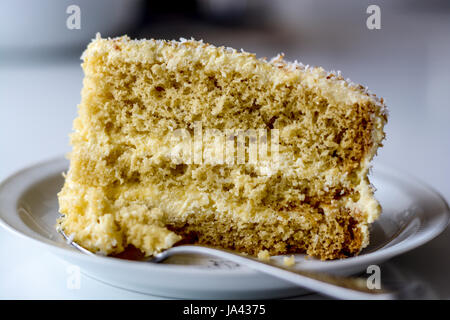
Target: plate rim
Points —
{"points": [[381, 254]]}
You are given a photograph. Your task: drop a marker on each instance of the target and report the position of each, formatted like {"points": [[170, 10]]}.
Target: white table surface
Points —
{"points": [[38, 103]]}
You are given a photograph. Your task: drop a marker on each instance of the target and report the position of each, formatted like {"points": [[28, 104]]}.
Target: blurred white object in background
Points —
{"points": [[41, 25]]}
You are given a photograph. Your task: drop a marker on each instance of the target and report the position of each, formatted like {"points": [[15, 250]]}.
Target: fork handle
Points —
{"points": [[328, 285]]}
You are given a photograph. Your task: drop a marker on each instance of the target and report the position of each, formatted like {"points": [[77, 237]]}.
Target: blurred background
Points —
{"points": [[406, 61]]}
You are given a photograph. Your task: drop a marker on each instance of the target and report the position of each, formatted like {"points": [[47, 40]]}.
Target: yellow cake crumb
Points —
{"points": [[264, 255], [289, 261]]}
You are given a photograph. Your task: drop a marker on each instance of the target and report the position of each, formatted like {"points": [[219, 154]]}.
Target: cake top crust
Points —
{"points": [[223, 59]]}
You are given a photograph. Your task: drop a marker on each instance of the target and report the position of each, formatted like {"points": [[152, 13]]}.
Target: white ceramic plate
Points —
{"points": [[412, 215]]}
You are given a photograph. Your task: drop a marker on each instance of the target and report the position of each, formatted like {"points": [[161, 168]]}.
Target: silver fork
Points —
{"points": [[329, 285]]}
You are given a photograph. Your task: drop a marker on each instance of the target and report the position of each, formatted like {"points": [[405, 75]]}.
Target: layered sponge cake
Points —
{"points": [[185, 142]]}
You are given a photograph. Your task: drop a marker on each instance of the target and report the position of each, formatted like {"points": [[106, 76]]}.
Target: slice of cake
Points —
{"points": [[185, 142]]}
